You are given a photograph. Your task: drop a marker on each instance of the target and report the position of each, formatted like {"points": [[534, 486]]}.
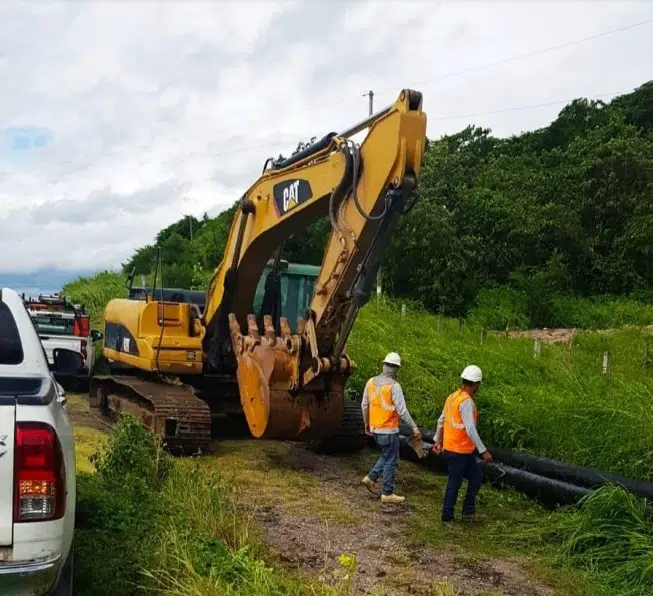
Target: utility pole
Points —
{"points": [[370, 95], [190, 221]]}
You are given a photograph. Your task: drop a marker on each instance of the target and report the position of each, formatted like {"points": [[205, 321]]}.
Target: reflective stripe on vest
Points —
{"points": [[382, 409], [455, 437]]}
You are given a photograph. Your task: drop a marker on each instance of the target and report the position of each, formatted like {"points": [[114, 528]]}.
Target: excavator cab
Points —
{"points": [[297, 282]]}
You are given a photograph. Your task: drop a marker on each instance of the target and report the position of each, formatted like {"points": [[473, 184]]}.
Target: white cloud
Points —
{"points": [[117, 118]]}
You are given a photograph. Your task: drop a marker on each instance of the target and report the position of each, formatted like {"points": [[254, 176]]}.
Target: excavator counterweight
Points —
{"points": [[286, 375]]}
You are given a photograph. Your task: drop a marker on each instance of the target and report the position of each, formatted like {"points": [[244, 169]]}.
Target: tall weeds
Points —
{"points": [[148, 523], [611, 535]]}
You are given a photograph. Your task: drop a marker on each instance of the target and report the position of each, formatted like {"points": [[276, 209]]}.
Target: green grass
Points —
{"points": [[611, 536], [148, 523]]}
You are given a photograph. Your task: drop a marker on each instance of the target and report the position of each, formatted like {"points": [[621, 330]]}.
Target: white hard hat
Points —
{"points": [[472, 373], [392, 359]]}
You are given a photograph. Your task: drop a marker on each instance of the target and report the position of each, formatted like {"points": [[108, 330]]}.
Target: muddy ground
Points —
{"points": [[311, 509]]}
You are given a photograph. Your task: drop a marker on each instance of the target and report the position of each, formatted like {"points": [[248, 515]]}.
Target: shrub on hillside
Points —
{"points": [[501, 308]]}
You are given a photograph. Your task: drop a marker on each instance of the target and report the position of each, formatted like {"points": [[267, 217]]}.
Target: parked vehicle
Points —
{"points": [[61, 324], [37, 459]]}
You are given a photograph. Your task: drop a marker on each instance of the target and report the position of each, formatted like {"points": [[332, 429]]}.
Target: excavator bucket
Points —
{"points": [[267, 382]]}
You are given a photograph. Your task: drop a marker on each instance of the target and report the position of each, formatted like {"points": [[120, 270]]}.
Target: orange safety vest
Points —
{"points": [[382, 409], [455, 437]]}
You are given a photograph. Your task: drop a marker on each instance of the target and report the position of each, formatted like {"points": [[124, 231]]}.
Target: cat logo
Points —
{"points": [[289, 194], [3, 445]]}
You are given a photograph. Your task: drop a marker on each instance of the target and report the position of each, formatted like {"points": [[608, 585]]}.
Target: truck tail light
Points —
{"points": [[84, 351], [82, 326], [39, 474]]}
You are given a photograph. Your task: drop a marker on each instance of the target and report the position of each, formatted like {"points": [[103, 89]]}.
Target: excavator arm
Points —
{"points": [[291, 384]]}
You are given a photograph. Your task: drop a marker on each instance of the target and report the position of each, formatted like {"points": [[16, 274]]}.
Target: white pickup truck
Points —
{"points": [[62, 325], [37, 460]]}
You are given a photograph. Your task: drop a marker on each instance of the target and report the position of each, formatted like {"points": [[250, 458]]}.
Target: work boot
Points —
{"points": [[392, 499], [370, 485]]}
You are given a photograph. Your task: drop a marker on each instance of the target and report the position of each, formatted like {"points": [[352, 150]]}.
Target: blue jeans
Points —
{"points": [[387, 464], [459, 466]]}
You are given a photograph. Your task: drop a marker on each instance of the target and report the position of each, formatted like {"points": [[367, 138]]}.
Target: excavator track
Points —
{"points": [[173, 412], [350, 436]]}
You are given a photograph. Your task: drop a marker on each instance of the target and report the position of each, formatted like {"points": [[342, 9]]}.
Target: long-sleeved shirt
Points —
{"points": [[466, 409], [398, 400]]}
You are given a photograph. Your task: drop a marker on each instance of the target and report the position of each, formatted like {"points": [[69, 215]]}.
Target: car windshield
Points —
{"points": [[54, 325]]}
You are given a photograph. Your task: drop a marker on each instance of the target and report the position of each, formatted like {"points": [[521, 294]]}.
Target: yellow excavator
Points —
{"points": [[178, 366]]}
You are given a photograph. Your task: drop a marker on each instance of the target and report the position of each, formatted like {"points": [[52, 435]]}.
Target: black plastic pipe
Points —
{"points": [[547, 491], [556, 470], [579, 475]]}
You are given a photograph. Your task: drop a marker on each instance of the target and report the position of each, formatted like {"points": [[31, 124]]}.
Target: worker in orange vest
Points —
{"points": [[383, 405], [456, 438]]}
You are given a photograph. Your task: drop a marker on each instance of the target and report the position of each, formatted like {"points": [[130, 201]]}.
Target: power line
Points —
{"points": [[526, 55], [529, 107]]}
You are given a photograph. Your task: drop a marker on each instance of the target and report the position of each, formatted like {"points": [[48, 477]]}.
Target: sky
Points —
{"points": [[118, 118]]}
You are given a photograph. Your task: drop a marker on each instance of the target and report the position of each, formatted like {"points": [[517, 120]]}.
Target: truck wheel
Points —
{"points": [[82, 385]]}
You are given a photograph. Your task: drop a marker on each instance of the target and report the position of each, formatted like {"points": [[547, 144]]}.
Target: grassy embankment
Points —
{"points": [[547, 406]]}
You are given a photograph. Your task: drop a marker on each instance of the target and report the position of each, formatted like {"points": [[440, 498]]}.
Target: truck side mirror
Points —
{"points": [[96, 335], [66, 361]]}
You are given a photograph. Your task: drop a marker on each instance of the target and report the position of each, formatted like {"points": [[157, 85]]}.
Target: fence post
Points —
{"points": [[607, 361], [537, 348], [482, 335], [460, 326], [438, 323], [403, 310]]}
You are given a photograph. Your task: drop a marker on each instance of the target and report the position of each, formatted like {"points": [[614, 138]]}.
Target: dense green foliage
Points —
{"points": [[147, 523], [505, 307], [564, 210]]}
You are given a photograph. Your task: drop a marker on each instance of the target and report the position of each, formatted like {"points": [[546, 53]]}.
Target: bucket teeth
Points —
{"points": [[270, 333], [234, 326], [252, 327], [285, 328]]}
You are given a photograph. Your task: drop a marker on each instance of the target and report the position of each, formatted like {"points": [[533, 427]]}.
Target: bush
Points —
{"points": [[503, 307], [94, 292]]}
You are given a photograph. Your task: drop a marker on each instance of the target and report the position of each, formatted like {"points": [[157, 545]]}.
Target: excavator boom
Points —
{"points": [[290, 374]]}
